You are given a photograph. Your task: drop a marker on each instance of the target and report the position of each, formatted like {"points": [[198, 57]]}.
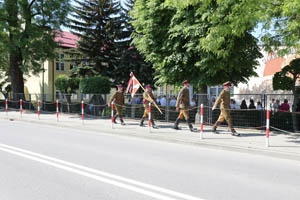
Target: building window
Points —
{"points": [[60, 62]]}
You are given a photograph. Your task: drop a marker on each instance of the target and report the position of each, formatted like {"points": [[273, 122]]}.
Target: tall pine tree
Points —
{"points": [[98, 24], [130, 59]]}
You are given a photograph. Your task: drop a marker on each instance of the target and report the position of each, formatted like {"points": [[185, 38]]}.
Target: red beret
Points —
{"points": [[119, 86], [148, 86], [227, 84], [185, 82]]}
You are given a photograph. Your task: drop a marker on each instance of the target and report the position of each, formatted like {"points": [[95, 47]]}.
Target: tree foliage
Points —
{"points": [[66, 84], [95, 85], [30, 25], [204, 41], [282, 18]]}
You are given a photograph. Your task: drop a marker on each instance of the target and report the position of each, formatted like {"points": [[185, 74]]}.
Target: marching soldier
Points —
{"points": [[224, 101], [182, 105], [118, 99], [148, 98]]}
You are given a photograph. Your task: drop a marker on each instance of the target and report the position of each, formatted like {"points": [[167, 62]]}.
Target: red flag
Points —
{"points": [[133, 85]]}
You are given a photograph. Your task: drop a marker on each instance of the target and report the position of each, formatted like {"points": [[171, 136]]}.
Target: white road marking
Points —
{"points": [[98, 175]]}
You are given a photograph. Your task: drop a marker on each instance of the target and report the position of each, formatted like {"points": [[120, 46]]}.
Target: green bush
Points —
{"points": [[66, 84], [95, 85]]}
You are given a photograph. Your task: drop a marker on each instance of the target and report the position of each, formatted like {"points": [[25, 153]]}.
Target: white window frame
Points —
{"points": [[60, 62]]}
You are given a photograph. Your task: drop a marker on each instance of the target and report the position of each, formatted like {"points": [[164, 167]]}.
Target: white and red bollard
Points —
{"points": [[6, 107], [21, 107], [268, 127], [201, 123], [39, 109], [149, 117], [112, 114], [57, 110], [82, 112]]}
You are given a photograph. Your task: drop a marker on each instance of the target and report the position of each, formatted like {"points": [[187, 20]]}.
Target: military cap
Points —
{"points": [[148, 86], [185, 82], [227, 84], [119, 86]]}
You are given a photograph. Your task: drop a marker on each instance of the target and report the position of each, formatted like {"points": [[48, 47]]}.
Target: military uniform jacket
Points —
{"points": [[223, 100], [118, 98], [183, 99], [148, 97]]}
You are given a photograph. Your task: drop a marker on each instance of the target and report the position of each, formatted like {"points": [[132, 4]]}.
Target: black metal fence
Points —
{"points": [[96, 106]]}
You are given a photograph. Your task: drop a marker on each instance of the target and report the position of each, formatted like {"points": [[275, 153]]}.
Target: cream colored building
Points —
{"points": [[43, 84]]}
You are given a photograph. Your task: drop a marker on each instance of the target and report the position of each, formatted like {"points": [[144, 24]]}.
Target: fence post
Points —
{"points": [[39, 111], [21, 107], [6, 107], [201, 122], [149, 117], [268, 127], [112, 115], [57, 110], [82, 111]]}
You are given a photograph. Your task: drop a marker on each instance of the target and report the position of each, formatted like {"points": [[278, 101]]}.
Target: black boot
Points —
{"points": [[122, 121], [234, 133], [142, 122], [190, 125], [176, 124], [115, 118], [153, 124], [214, 129]]}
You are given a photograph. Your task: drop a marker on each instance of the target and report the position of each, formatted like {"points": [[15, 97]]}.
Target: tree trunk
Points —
{"points": [[17, 80], [294, 106]]}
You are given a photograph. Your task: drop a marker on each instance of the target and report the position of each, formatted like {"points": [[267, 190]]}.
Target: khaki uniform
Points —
{"points": [[183, 103], [119, 102], [148, 98], [224, 101]]}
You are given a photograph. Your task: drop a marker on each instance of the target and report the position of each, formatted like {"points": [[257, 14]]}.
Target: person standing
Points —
{"points": [[148, 98], [118, 99], [182, 105], [224, 101]]}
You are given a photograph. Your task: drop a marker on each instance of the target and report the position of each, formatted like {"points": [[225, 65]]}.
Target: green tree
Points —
{"points": [[207, 42], [287, 79], [68, 86], [98, 24], [29, 26], [282, 20], [130, 59]]}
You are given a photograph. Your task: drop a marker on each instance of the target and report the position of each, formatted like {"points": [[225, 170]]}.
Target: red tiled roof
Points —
{"points": [[66, 39], [273, 65]]}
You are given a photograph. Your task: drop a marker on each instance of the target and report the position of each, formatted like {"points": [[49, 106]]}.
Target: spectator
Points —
{"points": [[138, 100], [276, 105], [272, 105], [243, 104], [252, 106], [284, 107], [173, 101], [298, 106], [258, 106], [158, 100], [193, 102], [163, 101]]}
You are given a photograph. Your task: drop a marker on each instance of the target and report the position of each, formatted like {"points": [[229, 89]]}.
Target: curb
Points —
{"points": [[200, 143]]}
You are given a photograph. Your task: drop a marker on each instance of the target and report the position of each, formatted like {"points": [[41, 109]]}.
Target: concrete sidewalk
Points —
{"points": [[252, 141]]}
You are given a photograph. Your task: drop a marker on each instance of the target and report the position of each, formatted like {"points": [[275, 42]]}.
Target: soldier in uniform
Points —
{"points": [[182, 105], [118, 99], [224, 101], [148, 98]]}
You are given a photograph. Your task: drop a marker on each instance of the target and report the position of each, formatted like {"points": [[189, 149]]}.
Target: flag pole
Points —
{"points": [[150, 97]]}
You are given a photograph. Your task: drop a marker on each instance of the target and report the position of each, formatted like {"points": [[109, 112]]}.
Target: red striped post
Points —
{"points": [[57, 110], [201, 122], [112, 114], [6, 107], [21, 107], [268, 127], [39, 108], [149, 117], [82, 111]]}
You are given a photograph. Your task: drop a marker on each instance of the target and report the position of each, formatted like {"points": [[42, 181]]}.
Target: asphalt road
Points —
{"points": [[40, 162]]}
